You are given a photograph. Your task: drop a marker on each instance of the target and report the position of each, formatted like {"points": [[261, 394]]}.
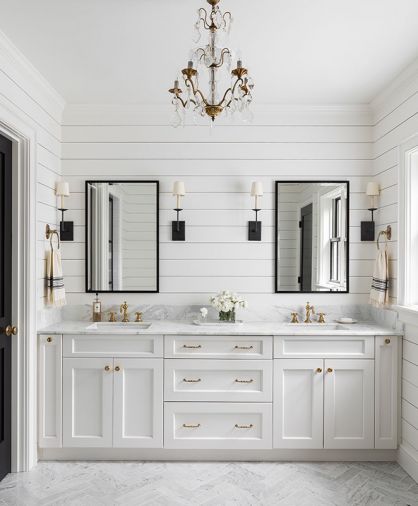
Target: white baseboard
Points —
{"points": [[408, 459], [216, 455]]}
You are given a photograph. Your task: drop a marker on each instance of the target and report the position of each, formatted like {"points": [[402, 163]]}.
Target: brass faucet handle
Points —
{"points": [[294, 318], [112, 316], [321, 318], [138, 316]]}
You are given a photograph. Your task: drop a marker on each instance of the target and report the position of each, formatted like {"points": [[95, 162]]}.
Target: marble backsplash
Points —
{"points": [[252, 314]]}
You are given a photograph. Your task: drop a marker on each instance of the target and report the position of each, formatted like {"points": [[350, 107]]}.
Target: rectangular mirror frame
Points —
{"points": [[276, 243], [157, 183]]}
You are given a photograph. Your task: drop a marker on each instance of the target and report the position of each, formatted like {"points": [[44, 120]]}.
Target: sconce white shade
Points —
{"points": [[62, 189], [372, 189], [257, 189], [179, 188]]}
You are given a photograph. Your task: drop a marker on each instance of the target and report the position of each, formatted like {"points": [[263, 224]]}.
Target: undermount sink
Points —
{"points": [[119, 326], [316, 326]]}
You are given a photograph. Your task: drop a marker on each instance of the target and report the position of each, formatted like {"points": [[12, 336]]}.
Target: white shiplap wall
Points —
{"points": [[29, 97], [217, 166], [396, 120]]}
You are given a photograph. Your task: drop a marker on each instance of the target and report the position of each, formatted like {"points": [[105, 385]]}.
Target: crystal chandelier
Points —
{"points": [[213, 57]]}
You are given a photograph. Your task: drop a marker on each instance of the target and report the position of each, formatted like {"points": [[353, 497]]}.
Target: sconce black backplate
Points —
{"points": [[178, 230], [367, 230], [67, 231], [254, 230]]}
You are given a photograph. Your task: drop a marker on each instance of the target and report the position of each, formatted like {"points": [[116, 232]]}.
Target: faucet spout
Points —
{"points": [[124, 311], [310, 310]]}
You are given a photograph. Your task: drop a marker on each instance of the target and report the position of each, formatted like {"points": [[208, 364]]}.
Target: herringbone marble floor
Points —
{"points": [[210, 484]]}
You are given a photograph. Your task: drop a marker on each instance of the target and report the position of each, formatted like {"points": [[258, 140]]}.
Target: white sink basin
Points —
{"points": [[128, 326], [316, 326]]}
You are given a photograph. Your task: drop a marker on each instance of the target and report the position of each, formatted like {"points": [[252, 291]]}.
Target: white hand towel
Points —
{"points": [[55, 279], [379, 293]]}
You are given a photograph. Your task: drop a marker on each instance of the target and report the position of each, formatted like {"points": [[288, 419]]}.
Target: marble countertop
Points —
{"points": [[248, 328]]}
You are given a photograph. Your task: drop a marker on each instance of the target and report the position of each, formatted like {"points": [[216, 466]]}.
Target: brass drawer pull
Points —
{"points": [[250, 426], [192, 346], [244, 381], [319, 370], [49, 339], [387, 341], [236, 347], [192, 380], [191, 425]]}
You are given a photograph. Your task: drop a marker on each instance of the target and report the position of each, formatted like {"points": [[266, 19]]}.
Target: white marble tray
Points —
{"points": [[216, 324]]}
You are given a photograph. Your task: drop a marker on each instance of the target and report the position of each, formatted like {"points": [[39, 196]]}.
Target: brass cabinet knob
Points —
{"points": [[117, 368], [387, 341], [330, 369], [107, 368], [10, 330], [319, 370], [49, 339]]}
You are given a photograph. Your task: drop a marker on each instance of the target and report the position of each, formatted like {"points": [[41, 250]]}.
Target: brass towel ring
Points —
{"points": [[387, 233], [49, 234]]}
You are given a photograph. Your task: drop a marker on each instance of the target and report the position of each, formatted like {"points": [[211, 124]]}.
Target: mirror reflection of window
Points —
{"points": [[122, 236], [311, 236]]}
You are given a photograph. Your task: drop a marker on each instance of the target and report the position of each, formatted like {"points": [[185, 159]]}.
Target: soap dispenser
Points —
{"points": [[97, 309]]}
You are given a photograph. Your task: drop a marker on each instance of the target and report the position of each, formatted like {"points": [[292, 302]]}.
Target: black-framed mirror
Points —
{"points": [[122, 242], [312, 236]]}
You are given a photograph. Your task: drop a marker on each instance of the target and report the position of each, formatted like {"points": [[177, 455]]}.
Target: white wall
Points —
{"points": [[28, 96], [217, 166], [396, 120]]}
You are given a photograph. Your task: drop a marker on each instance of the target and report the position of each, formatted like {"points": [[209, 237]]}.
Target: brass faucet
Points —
{"points": [[294, 318], [112, 316], [321, 318], [124, 310], [310, 310]]}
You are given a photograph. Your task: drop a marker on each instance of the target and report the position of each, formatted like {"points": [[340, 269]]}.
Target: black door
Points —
{"points": [[5, 303], [306, 249]]}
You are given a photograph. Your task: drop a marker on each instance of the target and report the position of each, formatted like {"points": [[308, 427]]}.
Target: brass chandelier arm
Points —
{"points": [[206, 25], [195, 90], [224, 51]]}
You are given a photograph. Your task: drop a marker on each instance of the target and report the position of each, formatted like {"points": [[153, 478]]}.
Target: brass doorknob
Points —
{"points": [[10, 330]]}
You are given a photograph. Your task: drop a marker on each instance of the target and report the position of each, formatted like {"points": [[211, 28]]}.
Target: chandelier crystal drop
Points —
{"points": [[214, 58]]}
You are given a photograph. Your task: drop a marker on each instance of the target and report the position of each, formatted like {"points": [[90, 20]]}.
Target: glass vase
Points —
{"points": [[227, 316]]}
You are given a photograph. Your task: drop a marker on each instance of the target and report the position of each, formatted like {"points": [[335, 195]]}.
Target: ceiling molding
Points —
{"points": [[21, 70]]}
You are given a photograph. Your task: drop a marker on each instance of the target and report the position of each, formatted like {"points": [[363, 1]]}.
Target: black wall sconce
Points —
{"points": [[254, 227], [368, 227], [62, 190], [178, 228]]}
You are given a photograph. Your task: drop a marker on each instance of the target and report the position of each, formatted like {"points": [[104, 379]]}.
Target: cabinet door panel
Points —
{"points": [[386, 378], [50, 391], [138, 403], [298, 403], [87, 392], [349, 404]]}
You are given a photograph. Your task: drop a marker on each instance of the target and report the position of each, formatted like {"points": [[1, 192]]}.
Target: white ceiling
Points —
{"points": [[298, 51]]}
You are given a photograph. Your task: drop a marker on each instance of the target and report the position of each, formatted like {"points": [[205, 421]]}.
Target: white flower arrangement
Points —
{"points": [[203, 312], [227, 301]]}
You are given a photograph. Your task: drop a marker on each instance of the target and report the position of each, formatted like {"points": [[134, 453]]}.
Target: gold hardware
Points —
{"points": [[107, 368], [49, 339], [9, 330], [112, 317], [192, 380], [310, 310], [50, 232], [124, 311], [387, 341], [191, 425], [250, 426], [236, 347], [321, 318], [319, 370], [329, 369], [138, 315], [191, 346], [387, 233], [117, 368], [294, 318], [244, 381]]}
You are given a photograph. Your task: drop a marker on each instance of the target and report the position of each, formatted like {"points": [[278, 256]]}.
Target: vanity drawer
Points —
{"points": [[324, 346], [113, 345], [218, 380], [201, 425], [243, 347]]}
